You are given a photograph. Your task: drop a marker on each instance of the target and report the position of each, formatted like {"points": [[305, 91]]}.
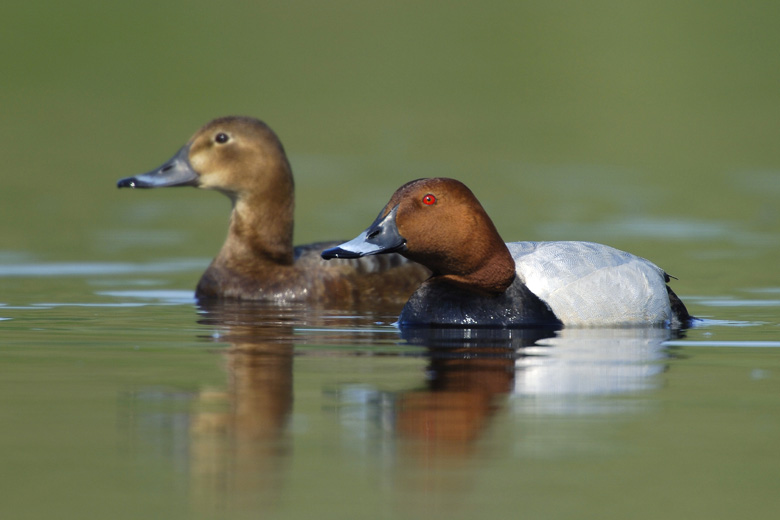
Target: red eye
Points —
{"points": [[429, 199]]}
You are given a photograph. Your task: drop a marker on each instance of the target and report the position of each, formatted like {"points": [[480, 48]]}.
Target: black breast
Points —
{"points": [[440, 304]]}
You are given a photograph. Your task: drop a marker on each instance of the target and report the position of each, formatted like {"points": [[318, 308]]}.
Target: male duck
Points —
{"points": [[478, 280], [244, 159]]}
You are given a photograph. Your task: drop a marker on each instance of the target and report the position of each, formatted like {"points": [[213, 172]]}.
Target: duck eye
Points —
{"points": [[221, 138], [429, 199]]}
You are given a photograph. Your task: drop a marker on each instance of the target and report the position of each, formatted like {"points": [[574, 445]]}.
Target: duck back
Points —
{"points": [[589, 284], [389, 279]]}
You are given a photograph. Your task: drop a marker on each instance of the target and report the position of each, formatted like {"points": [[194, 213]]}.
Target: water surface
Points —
{"points": [[136, 402]]}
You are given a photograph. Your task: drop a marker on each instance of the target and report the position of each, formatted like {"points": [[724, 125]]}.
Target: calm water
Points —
{"points": [[652, 128], [122, 398]]}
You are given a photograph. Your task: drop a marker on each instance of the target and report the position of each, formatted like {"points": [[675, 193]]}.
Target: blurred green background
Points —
{"points": [[651, 126]]}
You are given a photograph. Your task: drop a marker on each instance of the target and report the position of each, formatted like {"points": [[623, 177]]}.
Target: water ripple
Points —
{"points": [[167, 296], [714, 343], [99, 268]]}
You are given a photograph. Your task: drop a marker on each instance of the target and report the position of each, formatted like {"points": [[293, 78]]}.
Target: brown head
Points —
{"points": [[439, 223], [239, 156], [244, 159]]}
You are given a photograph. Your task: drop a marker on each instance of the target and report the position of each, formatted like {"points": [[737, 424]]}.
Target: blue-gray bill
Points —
{"points": [[381, 237], [176, 172]]}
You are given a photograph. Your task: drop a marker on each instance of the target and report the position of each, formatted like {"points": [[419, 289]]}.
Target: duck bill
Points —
{"points": [[381, 237], [175, 172]]}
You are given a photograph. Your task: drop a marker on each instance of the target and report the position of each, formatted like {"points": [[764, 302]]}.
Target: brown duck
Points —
{"points": [[244, 159]]}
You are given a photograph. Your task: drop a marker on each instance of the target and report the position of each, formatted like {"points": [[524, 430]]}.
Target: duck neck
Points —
{"points": [[493, 273], [261, 230]]}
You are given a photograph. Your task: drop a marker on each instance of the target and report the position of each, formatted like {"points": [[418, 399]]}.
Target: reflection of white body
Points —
{"points": [[589, 362]]}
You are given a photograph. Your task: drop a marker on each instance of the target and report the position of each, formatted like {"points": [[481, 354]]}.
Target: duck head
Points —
{"points": [[234, 155], [440, 224]]}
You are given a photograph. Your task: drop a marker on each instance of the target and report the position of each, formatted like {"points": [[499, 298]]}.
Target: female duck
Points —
{"points": [[478, 280], [244, 159]]}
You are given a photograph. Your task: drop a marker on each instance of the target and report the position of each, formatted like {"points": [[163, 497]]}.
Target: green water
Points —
{"points": [[649, 126]]}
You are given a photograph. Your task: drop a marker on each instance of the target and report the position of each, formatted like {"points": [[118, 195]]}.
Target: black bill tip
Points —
{"points": [[129, 182]]}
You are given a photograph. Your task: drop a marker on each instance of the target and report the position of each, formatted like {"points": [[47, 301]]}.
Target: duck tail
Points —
{"points": [[681, 318]]}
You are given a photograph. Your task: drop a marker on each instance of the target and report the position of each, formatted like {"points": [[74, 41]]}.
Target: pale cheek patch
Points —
{"points": [[214, 179], [198, 160]]}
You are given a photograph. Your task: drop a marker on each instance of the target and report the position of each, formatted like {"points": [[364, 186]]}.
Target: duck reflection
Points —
{"points": [[475, 376], [240, 441], [422, 431], [578, 370], [239, 445], [471, 373], [468, 372], [564, 363]]}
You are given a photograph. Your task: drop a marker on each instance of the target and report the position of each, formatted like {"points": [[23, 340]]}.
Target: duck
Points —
{"points": [[478, 280], [244, 159]]}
